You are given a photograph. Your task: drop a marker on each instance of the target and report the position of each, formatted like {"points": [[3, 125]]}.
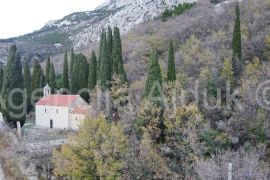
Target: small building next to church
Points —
{"points": [[60, 111]]}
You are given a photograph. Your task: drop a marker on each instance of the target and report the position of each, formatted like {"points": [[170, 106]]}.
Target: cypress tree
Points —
{"points": [[104, 71], [36, 75], [27, 83], [110, 46], [118, 65], [65, 72], [52, 82], [71, 61], [79, 74], [100, 51], [13, 79], [42, 79], [92, 79], [154, 79], [171, 75], [1, 78], [48, 67], [237, 39], [17, 98]]}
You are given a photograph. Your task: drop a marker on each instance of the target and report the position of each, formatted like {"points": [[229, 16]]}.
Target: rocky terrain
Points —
{"points": [[81, 29]]}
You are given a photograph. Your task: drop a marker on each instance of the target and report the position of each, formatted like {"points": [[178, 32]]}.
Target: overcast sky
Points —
{"points": [[18, 17]]}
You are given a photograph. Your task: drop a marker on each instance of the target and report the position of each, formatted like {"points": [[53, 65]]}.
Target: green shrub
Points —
{"points": [[176, 11], [214, 141]]}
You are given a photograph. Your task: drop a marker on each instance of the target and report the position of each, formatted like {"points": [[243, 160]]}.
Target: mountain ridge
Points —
{"points": [[81, 29]]}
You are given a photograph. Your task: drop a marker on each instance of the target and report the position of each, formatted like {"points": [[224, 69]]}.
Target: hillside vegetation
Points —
{"points": [[174, 99]]}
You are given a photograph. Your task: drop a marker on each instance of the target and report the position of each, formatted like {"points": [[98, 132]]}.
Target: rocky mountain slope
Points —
{"points": [[79, 30]]}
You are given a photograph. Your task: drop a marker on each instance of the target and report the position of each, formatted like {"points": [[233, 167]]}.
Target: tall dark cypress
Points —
{"points": [[100, 52], [42, 79], [110, 46], [92, 79], [36, 75], [154, 79], [48, 67], [71, 61], [1, 78], [79, 74], [13, 79], [118, 65], [171, 75], [27, 83], [104, 71], [52, 82], [65, 72], [237, 39]]}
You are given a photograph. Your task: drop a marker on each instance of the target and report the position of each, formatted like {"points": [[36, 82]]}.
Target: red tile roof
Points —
{"points": [[57, 100], [81, 110]]}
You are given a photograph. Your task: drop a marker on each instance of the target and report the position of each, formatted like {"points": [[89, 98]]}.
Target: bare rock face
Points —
{"points": [[128, 13]]}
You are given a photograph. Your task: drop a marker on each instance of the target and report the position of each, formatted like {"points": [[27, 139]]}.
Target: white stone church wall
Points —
{"points": [[59, 116]]}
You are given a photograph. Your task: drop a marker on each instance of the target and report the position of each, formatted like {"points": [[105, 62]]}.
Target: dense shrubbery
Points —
{"points": [[177, 10]]}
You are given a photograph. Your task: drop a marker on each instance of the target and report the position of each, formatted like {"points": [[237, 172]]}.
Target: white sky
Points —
{"points": [[18, 17]]}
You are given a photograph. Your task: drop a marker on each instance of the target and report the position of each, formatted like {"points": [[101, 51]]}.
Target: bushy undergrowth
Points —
{"points": [[176, 11]]}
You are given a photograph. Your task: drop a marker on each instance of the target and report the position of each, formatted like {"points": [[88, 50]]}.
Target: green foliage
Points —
{"points": [[47, 70], [36, 76], [150, 120], [118, 65], [92, 79], [177, 10], [13, 79], [215, 142], [95, 152], [27, 83], [71, 61], [153, 86], [79, 75], [237, 39], [104, 75], [171, 75], [110, 46], [52, 79], [267, 47], [1, 78], [65, 72], [227, 71], [59, 81]]}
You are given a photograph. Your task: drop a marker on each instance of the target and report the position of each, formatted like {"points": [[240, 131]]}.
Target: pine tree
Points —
{"points": [[153, 85], [52, 82], [65, 72], [118, 65], [171, 75], [92, 79], [237, 40], [27, 83], [13, 79], [48, 67]]}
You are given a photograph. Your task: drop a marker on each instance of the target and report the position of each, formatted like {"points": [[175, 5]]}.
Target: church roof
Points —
{"points": [[81, 110], [57, 100]]}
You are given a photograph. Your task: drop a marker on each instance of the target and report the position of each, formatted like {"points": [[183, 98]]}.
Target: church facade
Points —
{"points": [[60, 111]]}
